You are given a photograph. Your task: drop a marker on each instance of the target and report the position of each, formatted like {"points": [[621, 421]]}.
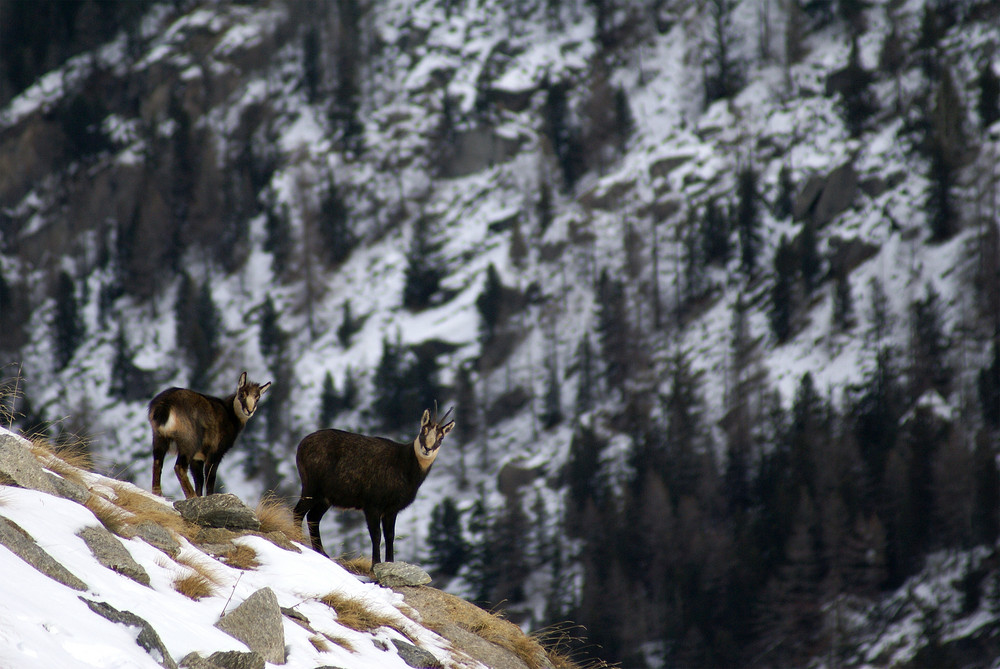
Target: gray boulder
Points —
{"points": [[110, 552], [394, 574], [236, 659], [157, 536], [19, 467], [418, 658], [229, 659], [258, 623], [23, 545], [147, 637], [220, 510], [69, 490]]}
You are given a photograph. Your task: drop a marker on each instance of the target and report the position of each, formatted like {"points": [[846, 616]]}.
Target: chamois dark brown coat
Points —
{"points": [[374, 474], [202, 428]]}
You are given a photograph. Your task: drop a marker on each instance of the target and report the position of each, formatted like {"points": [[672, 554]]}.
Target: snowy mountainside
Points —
{"points": [[101, 573], [549, 143]]}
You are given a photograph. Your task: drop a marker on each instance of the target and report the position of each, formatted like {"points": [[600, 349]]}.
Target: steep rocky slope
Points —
{"points": [[100, 573]]}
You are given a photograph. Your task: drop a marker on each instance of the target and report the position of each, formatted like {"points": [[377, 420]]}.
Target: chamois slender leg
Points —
{"points": [[180, 468], [198, 474], [160, 447], [211, 468], [305, 503], [312, 518], [375, 532], [389, 529]]}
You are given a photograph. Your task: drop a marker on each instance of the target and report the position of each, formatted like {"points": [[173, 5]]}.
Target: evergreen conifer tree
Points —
{"points": [[552, 409], [989, 388], [785, 199], [857, 101], [781, 291], [490, 304], [989, 95], [272, 337], [423, 272], [348, 325], [389, 391], [278, 238], [843, 303], [929, 346], [335, 226], [585, 377], [448, 547], [715, 234], [329, 401], [68, 325], [310, 64], [614, 330], [810, 262], [748, 221]]}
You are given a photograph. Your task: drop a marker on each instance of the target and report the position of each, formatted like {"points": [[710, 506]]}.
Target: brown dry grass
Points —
{"points": [[144, 508], [559, 642], [438, 610], [113, 517], [194, 586], [275, 516], [128, 506], [68, 460], [341, 641], [494, 628], [243, 558], [201, 581], [359, 566], [320, 643], [356, 614]]}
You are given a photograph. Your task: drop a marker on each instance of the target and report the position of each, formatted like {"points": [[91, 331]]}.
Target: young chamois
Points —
{"points": [[203, 428], [377, 475]]}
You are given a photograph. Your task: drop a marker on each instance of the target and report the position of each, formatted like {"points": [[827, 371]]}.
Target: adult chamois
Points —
{"points": [[374, 474], [202, 428]]}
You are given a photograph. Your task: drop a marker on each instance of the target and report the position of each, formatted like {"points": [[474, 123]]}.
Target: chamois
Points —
{"points": [[374, 474], [203, 428]]}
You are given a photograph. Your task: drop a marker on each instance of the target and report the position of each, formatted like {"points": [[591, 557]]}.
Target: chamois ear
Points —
{"points": [[445, 429], [426, 419], [243, 380], [263, 388]]}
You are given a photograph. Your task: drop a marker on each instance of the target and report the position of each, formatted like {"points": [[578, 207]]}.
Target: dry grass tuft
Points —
{"points": [[356, 614], [494, 628], [202, 565], [275, 516], [439, 610], [114, 518], [243, 557], [341, 641], [194, 586], [68, 460], [201, 581], [320, 643], [142, 507], [359, 566], [561, 645]]}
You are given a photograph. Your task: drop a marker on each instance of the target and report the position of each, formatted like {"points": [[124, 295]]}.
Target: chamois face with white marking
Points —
{"points": [[247, 396], [429, 439]]}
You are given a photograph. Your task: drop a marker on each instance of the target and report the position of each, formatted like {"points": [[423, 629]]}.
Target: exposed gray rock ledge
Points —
{"points": [[258, 623], [220, 510], [23, 545], [110, 552]]}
